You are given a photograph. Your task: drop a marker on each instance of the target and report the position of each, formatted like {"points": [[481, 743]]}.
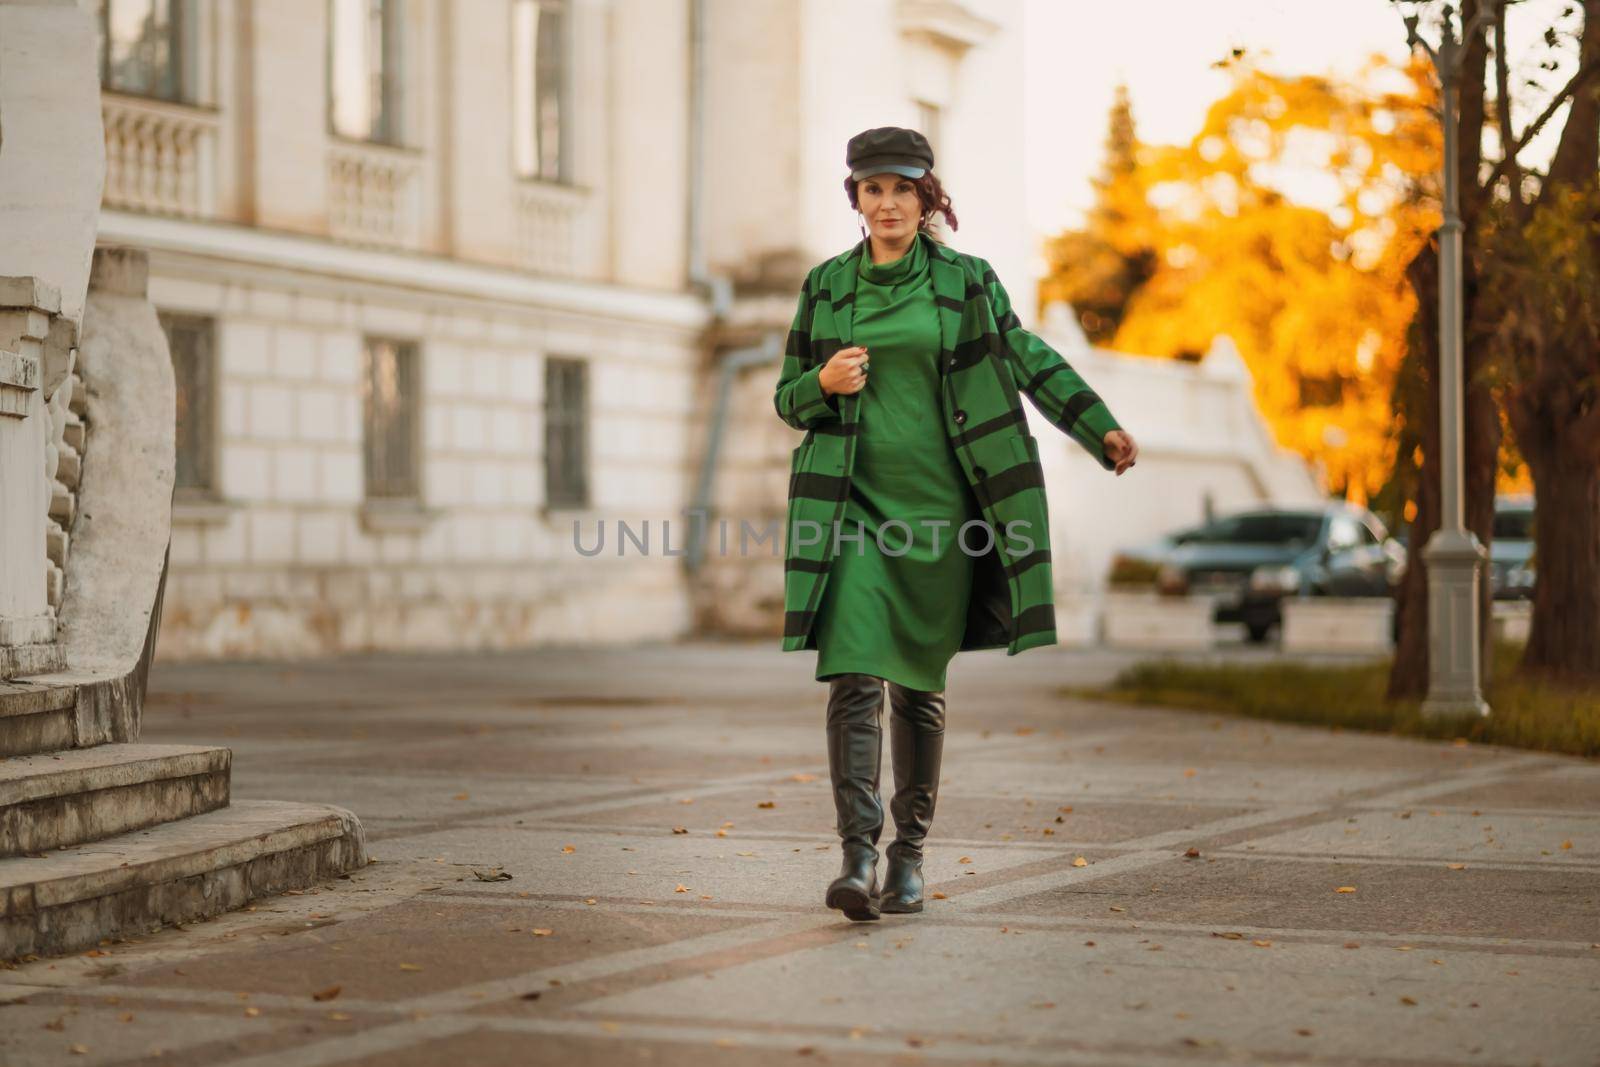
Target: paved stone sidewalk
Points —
{"points": [[1472, 935]]}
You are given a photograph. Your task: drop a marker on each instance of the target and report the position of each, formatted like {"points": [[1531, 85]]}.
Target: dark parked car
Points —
{"points": [[1248, 562], [1511, 571]]}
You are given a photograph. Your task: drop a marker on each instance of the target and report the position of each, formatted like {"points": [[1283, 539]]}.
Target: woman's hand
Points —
{"points": [[1121, 449], [842, 373]]}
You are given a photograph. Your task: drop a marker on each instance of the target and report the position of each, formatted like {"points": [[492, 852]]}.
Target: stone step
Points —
{"points": [[58, 799], [36, 717], [177, 872]]}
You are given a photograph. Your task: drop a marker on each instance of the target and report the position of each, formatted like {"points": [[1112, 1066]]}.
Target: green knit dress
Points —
{"points": [[898, 612]]}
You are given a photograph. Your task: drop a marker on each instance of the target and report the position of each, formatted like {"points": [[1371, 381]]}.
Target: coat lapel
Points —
{"points": [[949, 294], [842, 290]]}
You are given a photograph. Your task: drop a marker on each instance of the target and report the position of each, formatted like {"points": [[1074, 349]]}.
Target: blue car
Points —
{"points": [[1250, 561]]}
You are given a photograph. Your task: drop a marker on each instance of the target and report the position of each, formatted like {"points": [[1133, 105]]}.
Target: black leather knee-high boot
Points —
{"points": [[855, 755], [916, 738]]}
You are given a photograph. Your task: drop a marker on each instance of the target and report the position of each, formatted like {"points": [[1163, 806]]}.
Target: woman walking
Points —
{"points": [[917, 519]]}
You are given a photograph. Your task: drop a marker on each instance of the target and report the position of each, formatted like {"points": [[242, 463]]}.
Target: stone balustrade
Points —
{"points": [[160, 156], [547, 220], [374, 194]]}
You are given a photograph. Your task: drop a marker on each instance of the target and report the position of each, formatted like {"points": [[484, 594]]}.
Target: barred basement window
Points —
{"points": [[192, 340], [566, 432], [389, 398]]}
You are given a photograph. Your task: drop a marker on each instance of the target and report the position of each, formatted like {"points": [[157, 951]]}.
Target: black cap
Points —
{"points": [[888, 148]]}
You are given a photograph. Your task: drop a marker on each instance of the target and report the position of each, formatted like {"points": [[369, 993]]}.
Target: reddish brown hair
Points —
{"points": [[930, 193]]}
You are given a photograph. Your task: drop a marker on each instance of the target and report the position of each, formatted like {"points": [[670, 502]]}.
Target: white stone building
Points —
{"points": [[444, 277]]}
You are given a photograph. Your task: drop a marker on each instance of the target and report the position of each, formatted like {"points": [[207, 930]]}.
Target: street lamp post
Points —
{"points": [[1454, 554]]}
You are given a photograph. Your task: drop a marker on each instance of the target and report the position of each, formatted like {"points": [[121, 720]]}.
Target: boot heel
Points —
{"points": [[857, 904]]}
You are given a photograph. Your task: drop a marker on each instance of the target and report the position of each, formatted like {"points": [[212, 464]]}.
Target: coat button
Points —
{"points": [[952, 363], [979, 473], [960, 417]]}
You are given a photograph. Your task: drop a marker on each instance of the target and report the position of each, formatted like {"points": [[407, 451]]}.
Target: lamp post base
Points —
{"points": [[1455, 559]]}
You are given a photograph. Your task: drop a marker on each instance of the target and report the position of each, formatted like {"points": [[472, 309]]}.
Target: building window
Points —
{"points": [[928, 124], [365, 66], [566, 432], [192, 341], [389, 400], [147, 48], [539, 52]]}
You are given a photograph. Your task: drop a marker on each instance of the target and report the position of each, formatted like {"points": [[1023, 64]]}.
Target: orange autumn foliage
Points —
{"points": [[1285, 223]]}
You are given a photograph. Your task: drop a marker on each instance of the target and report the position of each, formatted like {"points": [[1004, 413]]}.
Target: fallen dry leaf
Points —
{"points": [[767, 804], [680, 829], [542, 931], [1456, 866], [78, 1050], [1345, 889], [494, 875], [802, 778], [1080, 862], [941, 896], [683, 888], [459, 796], [567, 850], [338, 1016], [252, 1012], [1231, 935], [1193, 853], [591, 902], [1566, 844], [410, 967], [1262, 943], [326, 994], [1408, 1001]]}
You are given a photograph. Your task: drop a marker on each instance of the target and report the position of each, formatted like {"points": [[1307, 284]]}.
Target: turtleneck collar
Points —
{"points": [[912, 263]]}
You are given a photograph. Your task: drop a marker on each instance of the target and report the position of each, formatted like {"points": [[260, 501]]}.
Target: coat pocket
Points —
{"points": [[797, 461], [1025, 448]]}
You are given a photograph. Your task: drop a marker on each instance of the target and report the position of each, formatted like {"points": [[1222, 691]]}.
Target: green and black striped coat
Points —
{"points": [[987, 361]]}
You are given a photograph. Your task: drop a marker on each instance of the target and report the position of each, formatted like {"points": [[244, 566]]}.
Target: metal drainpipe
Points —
{"points": [[735, 360], [717, 287]]}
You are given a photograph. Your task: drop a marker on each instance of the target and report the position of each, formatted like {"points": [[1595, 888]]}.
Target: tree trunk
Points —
{"points": [[1560, 414], [1417, 398], [1565, 639]]}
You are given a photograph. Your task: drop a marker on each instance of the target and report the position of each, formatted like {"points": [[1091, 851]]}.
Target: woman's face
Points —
{"points": [[890, 204]]}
